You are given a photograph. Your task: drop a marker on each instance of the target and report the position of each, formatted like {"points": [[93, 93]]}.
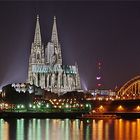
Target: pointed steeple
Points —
{"points": [[37, 37], [54, 37]]}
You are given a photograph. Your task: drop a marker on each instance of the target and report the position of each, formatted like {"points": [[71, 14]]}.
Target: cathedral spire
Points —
{"points": [[37, 37], [54, 37]]}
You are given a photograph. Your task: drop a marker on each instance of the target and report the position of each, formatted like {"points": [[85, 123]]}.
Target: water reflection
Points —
{"points": [[52, 129], [4, 130], [20, 129]]}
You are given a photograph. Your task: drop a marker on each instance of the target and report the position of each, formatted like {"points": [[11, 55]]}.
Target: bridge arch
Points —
{"points": [[130, 90]]}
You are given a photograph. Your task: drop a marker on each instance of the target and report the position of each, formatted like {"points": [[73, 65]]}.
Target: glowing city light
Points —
{"points": [[22, 106], [18, 106], [47, 105], [120, 108], [34, 106], [138, 108]]}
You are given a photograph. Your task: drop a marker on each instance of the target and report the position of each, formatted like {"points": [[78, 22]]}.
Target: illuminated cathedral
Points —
{"points": [[46, 69]]}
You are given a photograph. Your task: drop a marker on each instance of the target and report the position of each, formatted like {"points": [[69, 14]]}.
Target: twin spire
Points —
{"points": [[54, 37], [37, 37]]}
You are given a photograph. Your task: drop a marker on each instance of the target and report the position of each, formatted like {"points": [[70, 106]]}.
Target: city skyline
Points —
{"points": [[89, 32]]}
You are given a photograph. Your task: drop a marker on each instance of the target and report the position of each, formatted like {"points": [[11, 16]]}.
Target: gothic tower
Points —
{"points": [[53, 49], [36, 56]]}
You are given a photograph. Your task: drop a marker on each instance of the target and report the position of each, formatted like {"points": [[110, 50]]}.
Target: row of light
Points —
{"points": [[33, 106], [3, 105], [104, 98], [63, 99], [120, 108], [67, 103], [68, 106], [127, 97]]}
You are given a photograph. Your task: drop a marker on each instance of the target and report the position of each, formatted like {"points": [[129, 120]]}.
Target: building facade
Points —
{"points": [[46, 69]]}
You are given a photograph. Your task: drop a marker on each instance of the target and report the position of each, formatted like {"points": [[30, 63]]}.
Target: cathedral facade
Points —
{"points": [[45, 65]]}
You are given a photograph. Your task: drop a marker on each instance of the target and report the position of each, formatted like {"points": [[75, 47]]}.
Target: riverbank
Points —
{"points": [[113, 115], [52, 115], [70, 115]]}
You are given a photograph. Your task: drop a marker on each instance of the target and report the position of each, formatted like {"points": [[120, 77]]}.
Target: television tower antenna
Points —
{"points": [[99, 77]]}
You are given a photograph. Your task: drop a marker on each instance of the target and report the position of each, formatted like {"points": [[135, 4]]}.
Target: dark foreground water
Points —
{"points": [[57, 129]]}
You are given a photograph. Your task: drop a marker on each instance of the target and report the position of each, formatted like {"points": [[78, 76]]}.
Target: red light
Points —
{"points": [[99, 85]]}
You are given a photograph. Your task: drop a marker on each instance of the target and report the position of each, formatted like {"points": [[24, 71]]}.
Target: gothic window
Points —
{"points": [[45, 81], [49, 80], [34, 80], [38, 56], [38, 79], [54, 59]]}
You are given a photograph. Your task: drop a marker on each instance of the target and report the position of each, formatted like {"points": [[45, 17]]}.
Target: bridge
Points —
{"points": [[130, 90]]}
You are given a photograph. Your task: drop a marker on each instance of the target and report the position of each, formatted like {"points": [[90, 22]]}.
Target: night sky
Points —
{"points": [[89, 32]]}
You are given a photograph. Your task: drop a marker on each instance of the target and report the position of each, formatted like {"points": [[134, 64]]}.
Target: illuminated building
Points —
{"points": [[27, 88], [45, 65], [101, 94]]}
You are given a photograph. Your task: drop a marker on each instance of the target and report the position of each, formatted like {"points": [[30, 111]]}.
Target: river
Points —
{"points": [[67, 129]]}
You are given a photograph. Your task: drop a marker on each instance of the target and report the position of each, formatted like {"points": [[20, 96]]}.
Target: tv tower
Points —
{"points": [[98, 77]]}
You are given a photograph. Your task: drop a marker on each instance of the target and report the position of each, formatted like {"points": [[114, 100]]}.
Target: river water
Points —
{"points": [[67, 129]]}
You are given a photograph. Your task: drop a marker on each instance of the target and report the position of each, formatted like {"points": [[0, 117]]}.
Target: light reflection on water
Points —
{"points": [[66, 129]]}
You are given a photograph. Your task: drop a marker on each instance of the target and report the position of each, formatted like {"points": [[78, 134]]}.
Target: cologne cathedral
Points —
{"points": [[46, 69]]}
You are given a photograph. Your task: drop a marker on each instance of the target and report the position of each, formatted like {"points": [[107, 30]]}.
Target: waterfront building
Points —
{"points": [[101, 94], [46, 69]]}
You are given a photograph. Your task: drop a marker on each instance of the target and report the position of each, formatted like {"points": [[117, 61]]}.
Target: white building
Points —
{"points": [[45, 65]]}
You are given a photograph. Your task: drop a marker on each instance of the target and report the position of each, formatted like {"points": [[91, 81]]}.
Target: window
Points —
{"points": [[38, 56]]}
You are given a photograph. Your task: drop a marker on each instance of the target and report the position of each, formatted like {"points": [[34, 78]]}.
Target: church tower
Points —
{"points": [[53, 49], [36, 56]]}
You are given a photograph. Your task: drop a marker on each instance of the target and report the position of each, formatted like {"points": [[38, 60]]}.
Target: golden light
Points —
{"points": [[137, 108], [100, 99], [120, 108], [6, 106], [106, 99], [93, 111], [101, 108]]}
